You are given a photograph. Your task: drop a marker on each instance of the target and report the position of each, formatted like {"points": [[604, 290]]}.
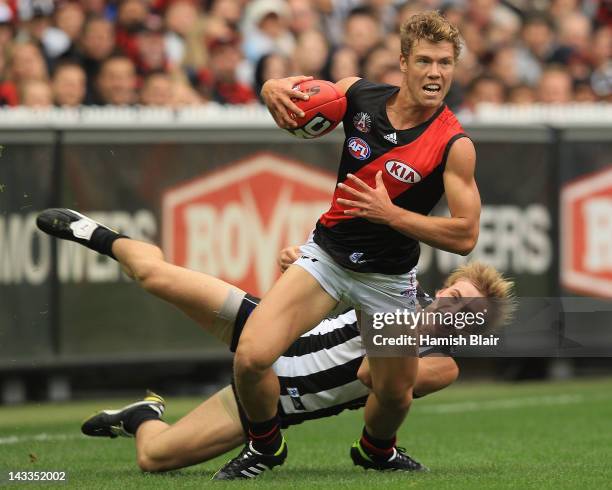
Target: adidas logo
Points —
{"points": [[392, 137]]}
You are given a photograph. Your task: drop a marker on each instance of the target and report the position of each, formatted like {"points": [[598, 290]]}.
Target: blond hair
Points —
{"points": [[431, 26], [498, 290]]}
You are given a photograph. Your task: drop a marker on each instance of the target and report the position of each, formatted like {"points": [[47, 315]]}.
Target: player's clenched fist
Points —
{"points": [[287, 257], [277, 94]]}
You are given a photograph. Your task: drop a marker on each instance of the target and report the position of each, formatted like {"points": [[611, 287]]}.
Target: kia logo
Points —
{"points": [[402, 172]]}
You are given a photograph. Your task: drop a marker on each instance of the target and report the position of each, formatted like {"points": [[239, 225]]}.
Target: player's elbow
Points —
{"points": [[466, 247], [151, 465], [468, 241]]}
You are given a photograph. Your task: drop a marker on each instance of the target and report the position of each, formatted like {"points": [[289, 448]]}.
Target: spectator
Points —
{"points": [[131, 19], [174, 37], [97, 44], [116, 82], [522, 95], [601, 78], [150, 50], [303, 17], [266, 29], [69, 85], [583, 92], [95, 8], [379, 61], [6, 26], [69, 19], [311, 53], [555, 86], [485, 89], [219, 81], [272, 65], [342, 64], [157, 90], [8, 90], [27, 63], [561, 8], [538, 46], [229, 11], [505, 66], [181, 19], [35, 94], [183, 95], [392, 76], [575, 40], [362, 32]]}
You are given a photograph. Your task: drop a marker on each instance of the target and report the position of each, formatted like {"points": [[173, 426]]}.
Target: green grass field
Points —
{"points": [[553, 435]]}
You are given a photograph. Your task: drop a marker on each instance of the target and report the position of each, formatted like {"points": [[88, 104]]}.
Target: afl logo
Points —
{"points": [[402, 172], [358, 148]]}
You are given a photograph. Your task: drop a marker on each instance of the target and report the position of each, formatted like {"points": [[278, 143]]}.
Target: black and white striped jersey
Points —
{"points": [[318, 373]]}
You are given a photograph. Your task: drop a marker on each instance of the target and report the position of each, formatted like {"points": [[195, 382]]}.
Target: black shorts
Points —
{"points": [[246, 308]]}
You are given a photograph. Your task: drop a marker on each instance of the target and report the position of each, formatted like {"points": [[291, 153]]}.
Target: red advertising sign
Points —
{"points": [[232, 223], [586, 231]]}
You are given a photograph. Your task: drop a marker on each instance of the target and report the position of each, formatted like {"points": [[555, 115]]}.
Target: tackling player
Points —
{"points": [[322, 373], [403, 149]]}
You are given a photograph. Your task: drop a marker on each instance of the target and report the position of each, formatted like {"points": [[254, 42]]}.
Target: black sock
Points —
{"points": [[377, 447], [266, 436], [102, 240], [135, 418]]}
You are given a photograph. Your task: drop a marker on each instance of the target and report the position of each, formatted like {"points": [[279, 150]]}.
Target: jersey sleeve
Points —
{"points": [[354, 103]]}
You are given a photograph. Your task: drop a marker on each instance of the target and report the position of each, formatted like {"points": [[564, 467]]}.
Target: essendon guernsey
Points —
{"points": [[412, 161]]}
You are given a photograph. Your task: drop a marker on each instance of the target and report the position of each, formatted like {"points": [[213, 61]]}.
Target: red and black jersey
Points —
{"points": [[412, 161]]}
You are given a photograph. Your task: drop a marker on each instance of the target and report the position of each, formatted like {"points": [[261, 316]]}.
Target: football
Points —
{"points": [[323, 111]]}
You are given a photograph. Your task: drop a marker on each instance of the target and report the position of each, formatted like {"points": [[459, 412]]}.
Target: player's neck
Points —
{"points": [[405, 113]]}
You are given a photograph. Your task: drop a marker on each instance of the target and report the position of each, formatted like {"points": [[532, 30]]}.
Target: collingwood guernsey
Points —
{"points": [[318, 373]]}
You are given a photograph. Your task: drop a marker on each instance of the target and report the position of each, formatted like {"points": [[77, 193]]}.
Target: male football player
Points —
{"points": [[403, 149], [323, 373]]}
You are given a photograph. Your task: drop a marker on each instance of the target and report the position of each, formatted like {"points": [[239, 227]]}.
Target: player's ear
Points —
{"points": [[403, 63]]}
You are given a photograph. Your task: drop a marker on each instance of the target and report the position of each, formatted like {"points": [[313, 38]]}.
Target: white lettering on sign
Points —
{"points": [[25, 251], [512, 239], [597, 214], [226, 242]]}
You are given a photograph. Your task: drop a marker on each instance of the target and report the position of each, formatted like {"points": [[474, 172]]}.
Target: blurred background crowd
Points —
{"points": [[188, 52]]}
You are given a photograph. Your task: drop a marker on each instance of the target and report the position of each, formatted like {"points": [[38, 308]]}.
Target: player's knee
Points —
{"points": [[398, 396], [150, 465], [250, 362], [149, 274], [451, 373]]}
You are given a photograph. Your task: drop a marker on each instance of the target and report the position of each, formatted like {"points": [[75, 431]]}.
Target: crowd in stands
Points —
{"points": [[187, 52]]}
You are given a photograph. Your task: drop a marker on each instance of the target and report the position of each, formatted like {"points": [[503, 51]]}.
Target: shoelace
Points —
{"points": [[401, 453]]}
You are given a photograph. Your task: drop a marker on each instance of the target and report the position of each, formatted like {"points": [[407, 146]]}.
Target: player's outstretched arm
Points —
{"points": [[457, 233], [435, 373]]}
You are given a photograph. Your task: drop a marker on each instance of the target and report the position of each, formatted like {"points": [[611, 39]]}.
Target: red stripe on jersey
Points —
{"points": [[402, 167]]}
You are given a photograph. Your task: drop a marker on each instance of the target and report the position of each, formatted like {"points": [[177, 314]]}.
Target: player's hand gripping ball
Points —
{"points": [[323, 110]]}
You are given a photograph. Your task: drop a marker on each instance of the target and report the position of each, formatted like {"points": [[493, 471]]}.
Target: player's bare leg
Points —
{"points": [[294, 305], [200, 296], [211, 429], [391, 397], [393, 380]]}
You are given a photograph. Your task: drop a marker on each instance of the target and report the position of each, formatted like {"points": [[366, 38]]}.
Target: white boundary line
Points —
{"points": [[459, 407], [502, 404], [43, 437]]}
